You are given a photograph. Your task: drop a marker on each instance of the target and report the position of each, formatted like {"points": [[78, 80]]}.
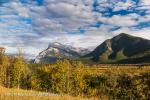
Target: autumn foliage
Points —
{"points": [[73, 78]]}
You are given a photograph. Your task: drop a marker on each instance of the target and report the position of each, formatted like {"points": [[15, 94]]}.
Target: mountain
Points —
{"points": [[122, 48], [57, 50]]}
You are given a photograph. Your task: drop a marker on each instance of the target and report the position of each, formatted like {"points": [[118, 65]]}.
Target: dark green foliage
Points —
{"points": [[138, 60]]}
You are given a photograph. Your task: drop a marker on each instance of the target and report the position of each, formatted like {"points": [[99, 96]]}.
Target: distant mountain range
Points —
{"points": [[57, 50], [122, 48]]}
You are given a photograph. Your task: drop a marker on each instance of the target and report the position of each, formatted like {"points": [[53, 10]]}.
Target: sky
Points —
{"points": [[32, 24]]}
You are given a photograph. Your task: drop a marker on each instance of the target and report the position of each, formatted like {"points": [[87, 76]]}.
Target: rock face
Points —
{"points": [[59, 51], [122, 48]]}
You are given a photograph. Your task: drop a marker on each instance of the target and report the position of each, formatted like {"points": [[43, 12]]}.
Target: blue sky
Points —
{"points": [[33, 24]]}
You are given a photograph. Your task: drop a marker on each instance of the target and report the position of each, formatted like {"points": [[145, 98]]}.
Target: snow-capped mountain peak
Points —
{"points": [[56, 49]]}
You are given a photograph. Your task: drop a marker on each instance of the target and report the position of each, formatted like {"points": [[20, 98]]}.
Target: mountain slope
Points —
{"points": [[59, 51], [121, 48]]}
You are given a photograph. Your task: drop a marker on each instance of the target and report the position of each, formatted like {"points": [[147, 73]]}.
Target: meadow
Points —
{"points": [[20, 94], [118, 69]]}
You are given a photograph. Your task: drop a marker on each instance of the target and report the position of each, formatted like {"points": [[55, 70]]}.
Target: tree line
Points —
{"points": [[69, 77]]}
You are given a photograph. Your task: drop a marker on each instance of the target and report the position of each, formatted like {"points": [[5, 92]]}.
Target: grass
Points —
{"points": [[117, 69], [19, 94]]}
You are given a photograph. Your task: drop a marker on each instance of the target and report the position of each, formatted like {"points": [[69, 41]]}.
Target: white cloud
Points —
{"points": [[123, 5], [20, 9], [145, 2], [140, 33], [118, 20], [55, 18], [69, 10]]}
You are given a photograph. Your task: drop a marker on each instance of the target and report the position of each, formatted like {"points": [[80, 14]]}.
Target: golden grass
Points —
{"points": [[19, 94], [94, 70]]}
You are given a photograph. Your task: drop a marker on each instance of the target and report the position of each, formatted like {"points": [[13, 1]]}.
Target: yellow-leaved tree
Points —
{"points": [[78, 79], [18, 71], [4, 66]]}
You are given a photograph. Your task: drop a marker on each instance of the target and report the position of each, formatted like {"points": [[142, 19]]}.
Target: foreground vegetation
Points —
{"points": [[19, 94], [76, 79]]}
